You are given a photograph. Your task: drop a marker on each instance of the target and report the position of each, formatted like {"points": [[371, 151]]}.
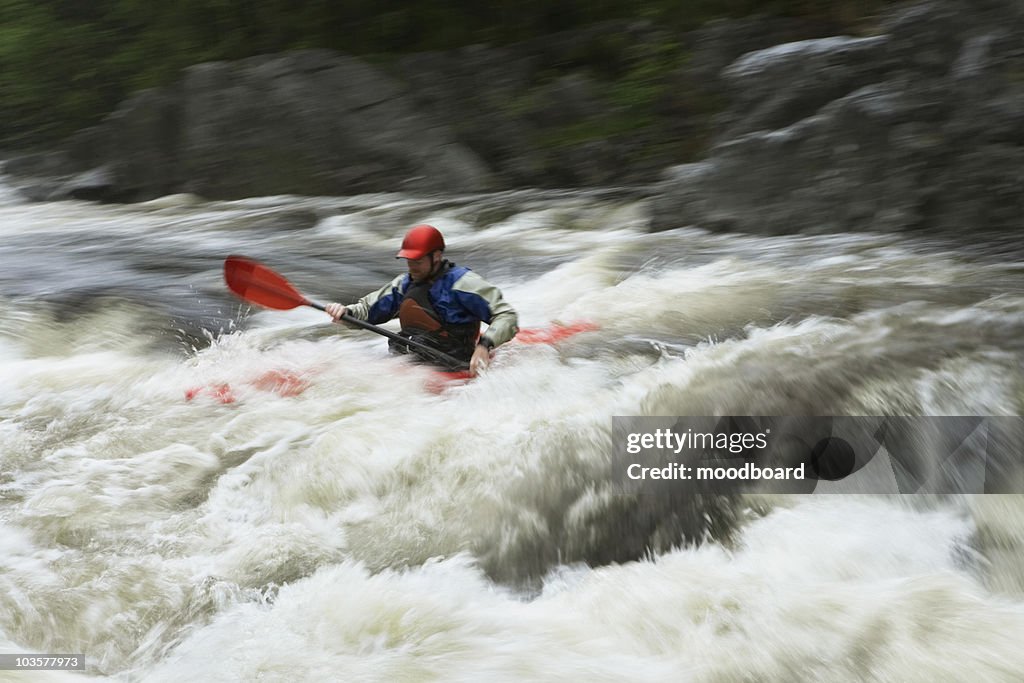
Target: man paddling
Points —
{"points": [[438, 304]]}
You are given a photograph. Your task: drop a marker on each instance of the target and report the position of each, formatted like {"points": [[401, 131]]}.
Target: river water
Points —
{"points": [[192, 489]]}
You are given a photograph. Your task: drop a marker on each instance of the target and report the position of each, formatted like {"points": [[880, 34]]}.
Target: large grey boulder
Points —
{"points": [[477, 90], [917, 128], [313, 122], [306, 122], [606, 104], [781, 85]]}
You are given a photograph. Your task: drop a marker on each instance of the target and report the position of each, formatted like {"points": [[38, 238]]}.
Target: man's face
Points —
{"points": [[421, 268]]}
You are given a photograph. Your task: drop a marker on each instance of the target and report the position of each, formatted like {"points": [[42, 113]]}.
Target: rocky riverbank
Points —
{"points": [[764, 125], [612, 104], [917, 127]]}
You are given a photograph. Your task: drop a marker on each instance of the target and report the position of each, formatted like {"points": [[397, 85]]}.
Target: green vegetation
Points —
{"points": [[66, 63]]}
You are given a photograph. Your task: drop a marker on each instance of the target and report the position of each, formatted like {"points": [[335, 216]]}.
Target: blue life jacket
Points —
{"points": [[434, 313]]}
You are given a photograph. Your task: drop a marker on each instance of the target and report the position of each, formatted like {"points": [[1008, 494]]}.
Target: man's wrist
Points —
{"points": [[485, 342]]}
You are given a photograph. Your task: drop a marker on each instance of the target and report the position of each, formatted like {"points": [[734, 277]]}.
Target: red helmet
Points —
{"points": [[420, 241]]}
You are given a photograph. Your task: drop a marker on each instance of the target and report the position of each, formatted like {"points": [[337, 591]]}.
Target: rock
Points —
{"points": [[682, 200], [918, 128], [981, 191], [143, 144], [96, 184], [566, 100], [37, 176], [720, 43], [38, 164], [313, 122], [483, 92], [835, 170], [307, 122], [35, 189], [785, 83]]}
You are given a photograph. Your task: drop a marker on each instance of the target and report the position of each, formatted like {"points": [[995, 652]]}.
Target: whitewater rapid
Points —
{"points": [[348, 523]]}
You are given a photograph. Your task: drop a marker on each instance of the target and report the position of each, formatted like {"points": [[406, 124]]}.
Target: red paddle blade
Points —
{"points": [[258, 284]]}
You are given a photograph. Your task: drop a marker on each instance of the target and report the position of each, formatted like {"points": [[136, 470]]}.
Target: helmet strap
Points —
{"points": [[436, 268]]}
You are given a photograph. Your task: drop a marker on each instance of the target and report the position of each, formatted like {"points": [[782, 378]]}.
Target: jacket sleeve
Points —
{"points": [[379, 306], [485, 301]]}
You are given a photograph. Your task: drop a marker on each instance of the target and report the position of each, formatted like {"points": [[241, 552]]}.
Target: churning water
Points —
{"points": [[191, 489]]}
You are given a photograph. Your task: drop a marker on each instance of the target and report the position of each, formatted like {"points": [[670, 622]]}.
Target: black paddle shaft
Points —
{"points": [[454, 363]]}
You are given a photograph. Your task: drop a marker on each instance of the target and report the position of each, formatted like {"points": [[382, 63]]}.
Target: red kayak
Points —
{"points": [[258, 284], [281, 382], [537, 335], [291, 383]]}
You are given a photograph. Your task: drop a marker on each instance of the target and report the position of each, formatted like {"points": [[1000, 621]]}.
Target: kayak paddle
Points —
{"points": [[258, 284]]}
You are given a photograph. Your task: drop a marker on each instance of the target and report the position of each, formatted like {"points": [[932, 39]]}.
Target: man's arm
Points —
{"points": [[376, 307], [486, 302]]}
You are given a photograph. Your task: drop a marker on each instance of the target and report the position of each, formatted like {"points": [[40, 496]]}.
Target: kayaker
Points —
{"points": [[438, 304]]}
